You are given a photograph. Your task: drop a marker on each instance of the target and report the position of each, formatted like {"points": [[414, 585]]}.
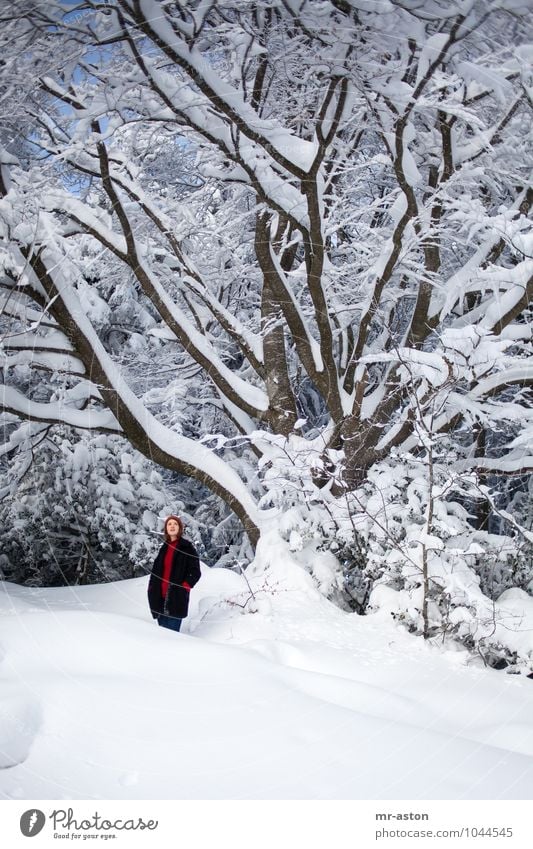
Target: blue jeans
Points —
{"points": [[169, 622]]}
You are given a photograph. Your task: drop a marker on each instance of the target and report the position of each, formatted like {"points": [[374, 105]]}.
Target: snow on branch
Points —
{"points": [[56, 412]]}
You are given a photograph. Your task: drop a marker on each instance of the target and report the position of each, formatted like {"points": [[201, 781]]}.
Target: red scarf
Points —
{"points": [[167, 565]]}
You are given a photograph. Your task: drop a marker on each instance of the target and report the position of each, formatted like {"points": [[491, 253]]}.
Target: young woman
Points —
{"points": [[175, 571]]}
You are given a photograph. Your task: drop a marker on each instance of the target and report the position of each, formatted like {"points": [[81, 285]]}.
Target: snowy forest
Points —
{"points": [[267, 264]]}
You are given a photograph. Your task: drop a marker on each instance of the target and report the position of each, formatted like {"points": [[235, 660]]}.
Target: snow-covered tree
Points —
{"points": [[321, 213], [83, 511]]}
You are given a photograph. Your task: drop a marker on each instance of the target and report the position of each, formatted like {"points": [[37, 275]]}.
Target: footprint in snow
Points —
{"points": [[20, 720]]}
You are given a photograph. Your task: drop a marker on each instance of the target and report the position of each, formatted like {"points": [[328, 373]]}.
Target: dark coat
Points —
{"points": [[185, 567]]}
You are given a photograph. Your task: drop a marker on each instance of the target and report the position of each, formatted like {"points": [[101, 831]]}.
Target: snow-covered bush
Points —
{"points": [[404, 542], [81, 510]]}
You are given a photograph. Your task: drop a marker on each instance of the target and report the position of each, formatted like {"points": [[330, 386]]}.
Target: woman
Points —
{"points": [[175, 571]]}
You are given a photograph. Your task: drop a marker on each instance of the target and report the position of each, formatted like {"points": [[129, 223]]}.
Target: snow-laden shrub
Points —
{"points": [[405, 542], [290, 468], [84, 510], [429, 565]]}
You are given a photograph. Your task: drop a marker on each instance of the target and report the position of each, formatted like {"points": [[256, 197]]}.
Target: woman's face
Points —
{"points": [[173, 529]]}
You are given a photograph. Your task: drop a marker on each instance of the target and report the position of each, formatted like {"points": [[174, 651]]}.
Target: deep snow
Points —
{"points": [[295, 700]]}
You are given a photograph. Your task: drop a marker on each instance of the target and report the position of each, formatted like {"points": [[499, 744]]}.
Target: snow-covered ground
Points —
{"points": [[295, 700]]}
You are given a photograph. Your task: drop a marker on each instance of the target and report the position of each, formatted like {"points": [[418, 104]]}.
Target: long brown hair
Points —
{"points": [[180, 524]]}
